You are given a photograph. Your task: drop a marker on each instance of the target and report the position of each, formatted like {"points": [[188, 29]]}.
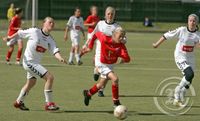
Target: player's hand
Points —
{"points": [[63, 61], [154, 45], [5, 39], [65, 37]]}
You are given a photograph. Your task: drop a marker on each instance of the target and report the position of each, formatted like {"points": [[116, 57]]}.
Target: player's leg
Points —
{"points": [[10, 44], [77, 54], [115, 88], [185, 82], [19, 52], [50, 105], [93, 90], [71, 56], [31, 81]]}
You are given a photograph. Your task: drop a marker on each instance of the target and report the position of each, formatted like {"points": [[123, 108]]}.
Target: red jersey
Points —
{"points": [[91, 19], [14, 23], [110, 51]]}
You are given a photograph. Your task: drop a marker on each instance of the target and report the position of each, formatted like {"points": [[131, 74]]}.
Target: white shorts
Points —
{"points": [[13, 41], [182, 64], [34, 70], [104, 70], [75, 40]]}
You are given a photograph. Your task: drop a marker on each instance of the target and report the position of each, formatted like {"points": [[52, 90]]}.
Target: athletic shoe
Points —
{"points": [[96, 77], [178, 103], [100, 94], [80, 63], [17, 63], [8, 63], [51, 106], [71, 63], [116, 103], [20, 105], [86, 97]]}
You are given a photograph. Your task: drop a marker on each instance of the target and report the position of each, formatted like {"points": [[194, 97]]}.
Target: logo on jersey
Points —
{"points": [[187, 48], [40, 49]]}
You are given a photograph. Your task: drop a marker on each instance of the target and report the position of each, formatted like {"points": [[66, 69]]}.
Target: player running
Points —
{"points": [[75, 26], [106, 26], [188, 37], [111, 48], [15, 25], [39, 40]]}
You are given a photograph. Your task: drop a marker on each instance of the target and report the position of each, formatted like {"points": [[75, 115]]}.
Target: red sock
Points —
{"points": [[9, 53], [93, 90], [115, 92], [19, 53]]}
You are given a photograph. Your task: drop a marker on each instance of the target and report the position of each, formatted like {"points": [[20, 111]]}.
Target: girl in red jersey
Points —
{"points": [[92, 20], [15, 25], [112, 47]]}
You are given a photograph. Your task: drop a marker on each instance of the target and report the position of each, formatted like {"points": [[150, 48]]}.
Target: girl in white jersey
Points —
{"points": [[188, 37], [75, 26], [39, 40], [106, 26]]}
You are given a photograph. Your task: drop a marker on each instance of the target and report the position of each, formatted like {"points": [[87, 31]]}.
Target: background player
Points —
{"points": [[11, 12], [39, 40], [112, 47], [188, 37], [15, 25], [106, 26], [75, 26]]}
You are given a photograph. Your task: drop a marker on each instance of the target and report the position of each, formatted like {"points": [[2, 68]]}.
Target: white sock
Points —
{"points": [[102, 89], [21, 96], [182, 94], [48, 95], [95, 71], [71, 55], [77, 57], [178, 88]]}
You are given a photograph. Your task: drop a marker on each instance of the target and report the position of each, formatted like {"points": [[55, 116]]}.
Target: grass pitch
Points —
{"points": [[138, 82]]}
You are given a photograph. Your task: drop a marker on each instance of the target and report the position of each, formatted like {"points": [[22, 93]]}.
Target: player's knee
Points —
{"points": [[115, 80], [189, 74], [50, 77]]}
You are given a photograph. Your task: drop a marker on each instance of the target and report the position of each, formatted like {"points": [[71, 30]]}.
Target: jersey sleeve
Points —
{"points": [[52, 47], [69, 23], [25, 33], [124, 54], [172, 34], [88, 20], [91, 43]]}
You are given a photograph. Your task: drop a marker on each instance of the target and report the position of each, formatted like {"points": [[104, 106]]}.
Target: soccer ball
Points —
{"points": [[120, 112]]}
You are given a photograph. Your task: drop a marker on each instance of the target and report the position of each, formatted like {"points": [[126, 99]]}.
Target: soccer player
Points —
{"points": [[112, 47], [106, 26], [15, 25], [39, 40], [188, 37], [75, 26], [92, 20], [11, 12]]}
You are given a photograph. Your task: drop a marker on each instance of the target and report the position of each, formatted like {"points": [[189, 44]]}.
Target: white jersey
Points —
{"points": [[186, 42], [107, 29], [75, 24], [38, 43]]}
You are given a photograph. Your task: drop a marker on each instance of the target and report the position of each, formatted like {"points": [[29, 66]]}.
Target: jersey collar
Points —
{"points": [[44, 33], [194, 30], [109, 23]]}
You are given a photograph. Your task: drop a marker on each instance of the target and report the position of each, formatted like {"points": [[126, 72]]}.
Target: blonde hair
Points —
{"points": [[195, 16], [119, 29], [47, 18], [110, 9]]}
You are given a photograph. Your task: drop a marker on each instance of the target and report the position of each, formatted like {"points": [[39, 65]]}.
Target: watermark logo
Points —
{"points": [[165, 96]]}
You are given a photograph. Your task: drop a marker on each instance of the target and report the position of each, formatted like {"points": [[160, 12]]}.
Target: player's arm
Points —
{"points": [[88, 22], [159, 42], [124, 54], [59, 57], [66, 32], [8, 38]]}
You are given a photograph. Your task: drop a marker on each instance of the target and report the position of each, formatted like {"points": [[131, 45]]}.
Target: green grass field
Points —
{"points": [[138, 82]]}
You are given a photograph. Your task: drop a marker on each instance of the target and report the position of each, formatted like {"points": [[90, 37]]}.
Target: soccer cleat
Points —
{"points": [[100, 94], [178, 103], [96, 77], [51, 106], [116, 103], [17, 63], [8, 63], [80, 63], [86, 97], [21, 106], [71, 63]]}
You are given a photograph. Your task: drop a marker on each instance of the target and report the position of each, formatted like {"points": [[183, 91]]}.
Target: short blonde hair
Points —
{"points": [[119, 29], [195, 16], [47, 18], [110, 9]]}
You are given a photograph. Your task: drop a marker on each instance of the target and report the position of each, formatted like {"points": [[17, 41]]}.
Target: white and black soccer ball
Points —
{"points": [[121, 112]]}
